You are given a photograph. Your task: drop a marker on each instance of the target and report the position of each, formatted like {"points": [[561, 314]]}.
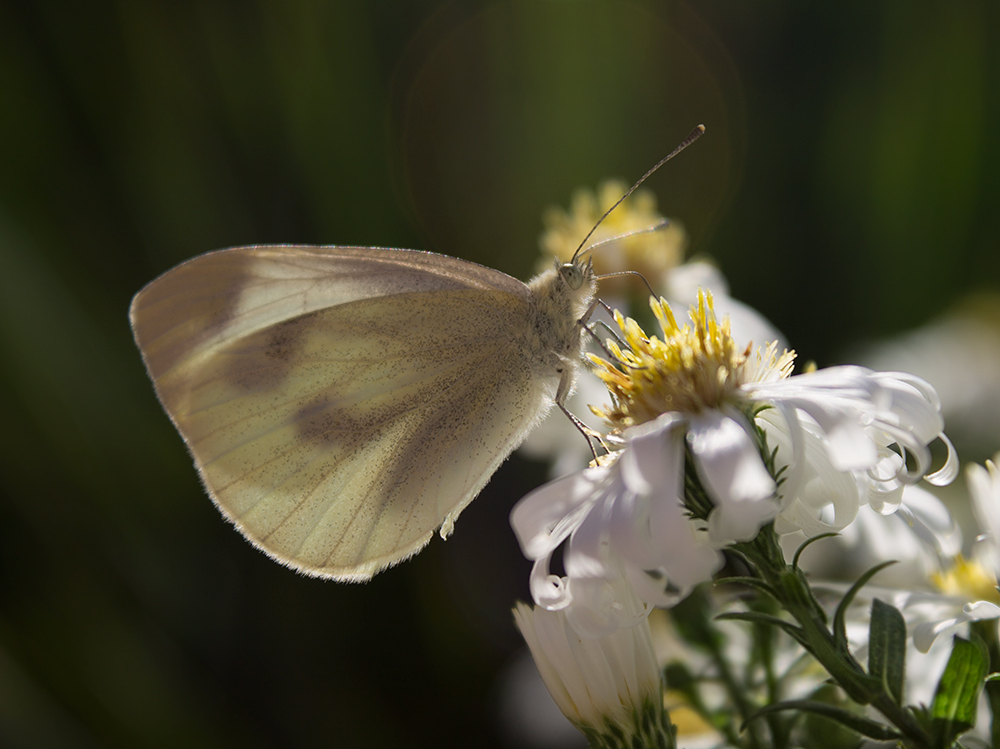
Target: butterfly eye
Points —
{"points": [[572, 274]]}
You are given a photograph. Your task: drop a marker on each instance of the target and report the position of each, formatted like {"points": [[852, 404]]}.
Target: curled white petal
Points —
{"points": [[947, 473], [885, 490], [870, 423], [624, 521], [548, 591], [544, 518]]}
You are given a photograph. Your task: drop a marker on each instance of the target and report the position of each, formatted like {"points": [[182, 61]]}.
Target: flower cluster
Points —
{"points": [[722, 460]]}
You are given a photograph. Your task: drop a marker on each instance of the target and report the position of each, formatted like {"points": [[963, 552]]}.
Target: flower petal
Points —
{"points": [[645, 464], [930, 521], [548, 591], [925, 633], [740, 521], [544, 518], [728, 461], [947, 473]]}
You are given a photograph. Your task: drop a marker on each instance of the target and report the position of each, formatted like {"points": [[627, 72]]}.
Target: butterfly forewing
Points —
{"points": [[341, 403]]}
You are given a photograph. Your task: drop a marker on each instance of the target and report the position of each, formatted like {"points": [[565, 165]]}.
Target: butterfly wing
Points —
{"points": [[341, 403]]}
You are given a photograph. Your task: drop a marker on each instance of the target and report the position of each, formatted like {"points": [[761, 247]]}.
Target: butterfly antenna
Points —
{"points": [[659, 225], [691, 138]]}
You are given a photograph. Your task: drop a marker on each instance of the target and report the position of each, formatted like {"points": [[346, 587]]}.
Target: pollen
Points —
{"points": [[692, 367], [969, 579]]}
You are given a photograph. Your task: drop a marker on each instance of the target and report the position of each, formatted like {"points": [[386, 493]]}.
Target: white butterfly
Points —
{"points": [[342, 403]]}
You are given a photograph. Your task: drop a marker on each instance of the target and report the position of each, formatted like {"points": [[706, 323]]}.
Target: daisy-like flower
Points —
{"points": [[838, 425], [609, 687], [697, 417]]}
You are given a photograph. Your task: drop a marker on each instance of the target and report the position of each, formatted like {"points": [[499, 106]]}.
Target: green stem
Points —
{"points": [[794, 596], [737, 696], [764, 639]]}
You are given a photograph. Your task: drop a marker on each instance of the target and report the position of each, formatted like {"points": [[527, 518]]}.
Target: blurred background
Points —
{"points": [[846, 186]]}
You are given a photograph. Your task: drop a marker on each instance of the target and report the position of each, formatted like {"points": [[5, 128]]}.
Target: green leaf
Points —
{"points": [[805, 545], [839, 627], [953, 711], [853, 721], [887, 648], [750, 582]]}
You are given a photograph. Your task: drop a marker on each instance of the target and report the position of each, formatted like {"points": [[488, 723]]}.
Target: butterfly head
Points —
{"points": [[577, 273]]}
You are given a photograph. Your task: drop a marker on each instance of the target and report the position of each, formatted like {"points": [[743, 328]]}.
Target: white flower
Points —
{"points": [[697, 394], [833, 427], [603, 685]]}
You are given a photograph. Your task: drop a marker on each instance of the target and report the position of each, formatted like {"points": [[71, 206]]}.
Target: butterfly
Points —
{"points": [[343, 403]]}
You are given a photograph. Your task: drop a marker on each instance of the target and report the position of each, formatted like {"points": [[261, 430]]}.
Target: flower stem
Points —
{"points": [[793, 594]]}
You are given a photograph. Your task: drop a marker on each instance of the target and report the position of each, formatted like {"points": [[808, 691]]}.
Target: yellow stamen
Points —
{"points": [[693, 367], [969, 579]]}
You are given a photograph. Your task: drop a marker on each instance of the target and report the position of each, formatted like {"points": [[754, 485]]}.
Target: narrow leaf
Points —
{"points": [[887, 648], [839, 627], [751, 582], [954, 708], [808, 542], [853, 721]]}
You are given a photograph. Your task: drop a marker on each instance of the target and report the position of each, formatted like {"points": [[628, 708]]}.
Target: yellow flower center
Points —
{"points": [[969, 579], [651, 254], [693, 367]]}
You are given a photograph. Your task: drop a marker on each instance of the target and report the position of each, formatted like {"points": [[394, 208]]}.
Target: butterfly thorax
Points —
{"points": [[556, 336]]}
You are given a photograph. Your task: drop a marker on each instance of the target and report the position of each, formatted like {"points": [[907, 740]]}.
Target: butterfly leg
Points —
{"points": [[589, 434]]}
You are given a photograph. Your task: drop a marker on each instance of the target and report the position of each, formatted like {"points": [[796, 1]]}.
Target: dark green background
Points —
{"points": [[847, 186]]}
